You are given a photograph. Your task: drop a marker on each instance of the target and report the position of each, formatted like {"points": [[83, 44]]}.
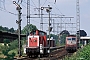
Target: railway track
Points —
{"points": [[57, 54]]}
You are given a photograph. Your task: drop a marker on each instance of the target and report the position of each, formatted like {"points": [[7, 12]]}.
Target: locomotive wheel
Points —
{"points": [[35, 55], [47, 55], [40, 56], [28, 55]]}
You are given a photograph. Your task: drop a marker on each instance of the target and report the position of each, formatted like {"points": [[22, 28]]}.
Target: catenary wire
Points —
{"points": [[44, 3]]}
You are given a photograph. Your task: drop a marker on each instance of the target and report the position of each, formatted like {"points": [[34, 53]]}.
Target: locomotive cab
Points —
{"points": [[71, 43], [37, 43]]}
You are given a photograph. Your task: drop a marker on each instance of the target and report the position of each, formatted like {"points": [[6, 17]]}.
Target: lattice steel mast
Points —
{"points": [[28, 14], [2, 4], [78, 20]]}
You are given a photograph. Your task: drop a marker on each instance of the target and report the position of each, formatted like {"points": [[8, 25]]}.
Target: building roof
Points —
{"points": [[86, 37]]}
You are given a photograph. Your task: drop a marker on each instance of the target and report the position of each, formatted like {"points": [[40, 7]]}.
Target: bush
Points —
{"points": [[5, 49], [81, 54]]}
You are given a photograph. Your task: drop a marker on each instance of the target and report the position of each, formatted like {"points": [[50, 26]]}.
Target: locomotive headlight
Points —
{"points": [[35, 40]]}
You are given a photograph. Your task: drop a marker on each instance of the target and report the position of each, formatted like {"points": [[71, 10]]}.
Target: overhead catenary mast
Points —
{"points": [[78, 20], [39, 7], [28, 14], [2, 4]]}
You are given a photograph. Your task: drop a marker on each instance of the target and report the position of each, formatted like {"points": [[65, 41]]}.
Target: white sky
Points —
{"points": [[65, 7]]}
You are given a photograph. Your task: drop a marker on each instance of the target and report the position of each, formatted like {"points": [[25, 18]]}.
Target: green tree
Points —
{"points": [[0, 28], [3, 28], [52, 35], [63, 38], [14, 45], [11, 30], [7, 29], [28, 28]]}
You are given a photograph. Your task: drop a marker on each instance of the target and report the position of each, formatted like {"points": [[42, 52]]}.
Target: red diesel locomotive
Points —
{"points": [[71, 43], [37, 43]]}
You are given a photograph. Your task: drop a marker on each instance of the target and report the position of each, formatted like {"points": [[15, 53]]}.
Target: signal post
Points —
{"points": [[19, 26]]}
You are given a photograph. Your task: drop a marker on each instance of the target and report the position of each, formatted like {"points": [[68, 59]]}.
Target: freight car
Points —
{"points": [[51, 41], [71, 43], [37, 44]]}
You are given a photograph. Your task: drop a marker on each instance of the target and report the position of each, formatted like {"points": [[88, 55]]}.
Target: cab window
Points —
{"points": [[33, 33], [73, 38], [41, 33], [68, 38]]}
